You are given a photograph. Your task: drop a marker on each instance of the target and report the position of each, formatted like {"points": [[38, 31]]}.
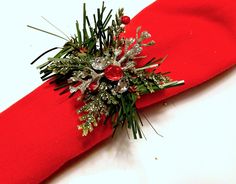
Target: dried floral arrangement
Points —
{"points": [[99, 64]]}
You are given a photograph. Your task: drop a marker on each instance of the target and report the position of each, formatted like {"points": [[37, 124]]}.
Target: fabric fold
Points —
{"points": [[39, 133]]}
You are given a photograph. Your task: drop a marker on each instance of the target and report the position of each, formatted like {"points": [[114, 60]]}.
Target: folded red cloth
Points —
{"points": [[39, 133], [199, 38]]}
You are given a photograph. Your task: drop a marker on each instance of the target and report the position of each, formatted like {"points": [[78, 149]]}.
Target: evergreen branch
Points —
{"points": [[79, 37], [84, 23], [41, 55], [107, 19], [83, 64]]}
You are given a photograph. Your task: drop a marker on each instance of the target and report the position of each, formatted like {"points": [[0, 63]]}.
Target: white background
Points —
{"points": [[199, 143]]}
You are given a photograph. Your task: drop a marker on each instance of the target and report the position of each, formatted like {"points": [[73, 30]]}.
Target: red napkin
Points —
{"points": [[38, 134]]}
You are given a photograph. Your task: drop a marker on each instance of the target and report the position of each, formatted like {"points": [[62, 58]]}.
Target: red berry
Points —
{"points": [[113, 72], [125, 19], [92, 87]]}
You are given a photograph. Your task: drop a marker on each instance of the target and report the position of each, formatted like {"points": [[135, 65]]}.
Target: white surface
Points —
{"points": [[198, 126]]}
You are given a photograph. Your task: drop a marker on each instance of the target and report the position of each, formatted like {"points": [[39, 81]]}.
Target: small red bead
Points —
{"points": [[92, 87], [113, 72], [125, 19]]}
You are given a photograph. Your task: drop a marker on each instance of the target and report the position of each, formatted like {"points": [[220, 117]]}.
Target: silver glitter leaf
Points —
{"points": [[122, 85], [73, 89], [99, 63], [145, 35]]}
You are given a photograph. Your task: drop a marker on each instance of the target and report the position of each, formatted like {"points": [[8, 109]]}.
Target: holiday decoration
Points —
{"points": [[100, 63], [39, 135], [125, 19]]}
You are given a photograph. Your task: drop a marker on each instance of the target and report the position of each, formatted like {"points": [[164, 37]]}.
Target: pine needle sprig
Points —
{"points": [[100, 64]]}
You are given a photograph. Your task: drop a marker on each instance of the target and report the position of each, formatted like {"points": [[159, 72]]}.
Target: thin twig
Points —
{"points": [[151, 125], [47, 32], [56, 28]]}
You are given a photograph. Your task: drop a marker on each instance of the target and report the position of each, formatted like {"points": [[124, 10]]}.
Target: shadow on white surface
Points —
{"points": [[198, 144]]}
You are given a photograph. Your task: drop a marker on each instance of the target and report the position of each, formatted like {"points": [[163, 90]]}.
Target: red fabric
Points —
{"points": [[199, 38], [38, 134]]}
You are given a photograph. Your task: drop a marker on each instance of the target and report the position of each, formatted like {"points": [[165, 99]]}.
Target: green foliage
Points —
{"points": [[82, 60]]}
